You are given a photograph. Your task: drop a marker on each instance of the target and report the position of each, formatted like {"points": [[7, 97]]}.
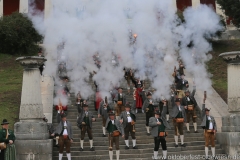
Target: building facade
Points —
{"points": [[7, 7]]}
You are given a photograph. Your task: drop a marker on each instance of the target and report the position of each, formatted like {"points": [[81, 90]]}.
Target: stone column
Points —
{"points": [[48, 8], [195, 3], [230, 136], [1, 8], [23, 6], [31, 132]]}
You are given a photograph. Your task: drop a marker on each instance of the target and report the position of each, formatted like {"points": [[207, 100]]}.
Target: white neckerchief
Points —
{"points": [[65, 130], [183, 81], [112, 121], [78, 102], [179, 108], [210, 124], [86, 113], [188, 99], [157, 120], [129, 117]]}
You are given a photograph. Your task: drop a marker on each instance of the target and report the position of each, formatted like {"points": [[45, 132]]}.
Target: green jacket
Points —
{"points": [[3, 133]]}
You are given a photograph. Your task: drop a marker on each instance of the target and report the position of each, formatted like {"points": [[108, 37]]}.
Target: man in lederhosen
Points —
{"points": [[128, 120], [114, 129], [64, 131], [210, 128], [190, 106], [181, 86], [179, 118], [120, 100], [149, 108], [103, 111], [159, 124], [85, 124], [161, 106]]}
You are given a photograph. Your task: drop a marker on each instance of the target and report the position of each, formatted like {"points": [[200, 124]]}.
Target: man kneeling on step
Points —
{"points": [[128, 120], [114, 129], [85, 124], [158, 124]]}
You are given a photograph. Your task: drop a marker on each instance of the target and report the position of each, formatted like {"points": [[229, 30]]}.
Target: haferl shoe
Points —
{"points": [[176, 145], [196, 132], [183, 145], [148, 134], [81, 149], [104, 135], [188, 131], [126, 147], [135, 147], [215, 158], [92, 149], [56, 145], [206, 158]]}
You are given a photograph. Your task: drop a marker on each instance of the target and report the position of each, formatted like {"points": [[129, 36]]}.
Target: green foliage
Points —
{"points": [[17, 35], [231, 9]]}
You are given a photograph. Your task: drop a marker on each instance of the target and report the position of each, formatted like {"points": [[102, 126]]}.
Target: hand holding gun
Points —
{"points": [[205, 96]]}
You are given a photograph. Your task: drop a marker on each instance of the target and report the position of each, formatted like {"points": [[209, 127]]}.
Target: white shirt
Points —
{"points": [[65, 130], [179, 108], [157, 120], [112, 121], [129, 117], [188, 99], [210, 124]]}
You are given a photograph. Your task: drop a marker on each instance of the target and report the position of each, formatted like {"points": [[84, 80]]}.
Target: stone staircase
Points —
{"points": [[194, 141]]}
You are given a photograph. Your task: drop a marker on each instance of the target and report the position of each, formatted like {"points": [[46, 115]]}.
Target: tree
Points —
{"points": [[17, 35], [231, 9]]}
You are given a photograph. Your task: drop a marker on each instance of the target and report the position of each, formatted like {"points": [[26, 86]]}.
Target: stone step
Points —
{"points": [[141, 148], [125, 156], [147, 142]]}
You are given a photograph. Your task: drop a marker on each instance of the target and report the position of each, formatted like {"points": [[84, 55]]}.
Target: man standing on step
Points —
{"points": [[179, 118], [120, 100], [103, 111], [128, 119], [64, 131], [210, 128], [114, 129], [158, 124], [149, 108], [181, 86], [190, 106], [85, 124]]}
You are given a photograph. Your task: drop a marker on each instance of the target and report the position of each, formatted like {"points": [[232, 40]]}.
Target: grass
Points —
{"points": [[10, 88], [218, 67]]}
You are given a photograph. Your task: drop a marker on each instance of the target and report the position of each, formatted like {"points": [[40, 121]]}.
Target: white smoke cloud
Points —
{"points": [[88, 27]]}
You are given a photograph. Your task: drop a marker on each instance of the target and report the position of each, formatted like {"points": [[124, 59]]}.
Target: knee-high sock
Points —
{"points": [[182, 139], [57, 140], [111, 155], [60, 156], [134, 142], [147, 129], [206, 152], [176, 139], [91, 143], [195, 126], [81, 143], [164, 154], [117, 154], [155, 154], [187, 124], [167, 117], [104, 130], [69, 156], [127, 142], [213, 151]]}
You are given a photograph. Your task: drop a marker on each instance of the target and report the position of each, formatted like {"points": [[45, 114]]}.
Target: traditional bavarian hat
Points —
{"points": [[4, 122]]}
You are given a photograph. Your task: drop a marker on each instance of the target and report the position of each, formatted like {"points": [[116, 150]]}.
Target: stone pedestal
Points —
{"points": [[229, 138], [31, 132]]}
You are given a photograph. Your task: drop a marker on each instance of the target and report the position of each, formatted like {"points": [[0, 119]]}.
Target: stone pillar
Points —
{"points": [[48, 8], [195, 3], [174, 2], [23, 6], [1, 8], [31, 132], [47, 89], [229, 138]]}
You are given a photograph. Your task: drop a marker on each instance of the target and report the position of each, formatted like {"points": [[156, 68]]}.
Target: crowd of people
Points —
{"points": [[119, 116]]}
